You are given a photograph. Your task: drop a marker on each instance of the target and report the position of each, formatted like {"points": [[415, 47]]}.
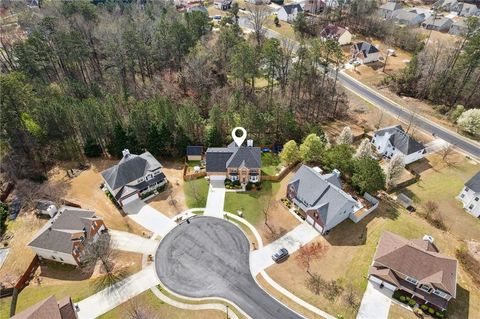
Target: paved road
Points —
{"points": [[377, 99], [210, 258]]}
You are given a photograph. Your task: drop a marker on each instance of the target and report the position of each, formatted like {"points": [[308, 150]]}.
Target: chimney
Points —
{"points": [[428, 238], [336, 172], [250, 143], [125, 152]]}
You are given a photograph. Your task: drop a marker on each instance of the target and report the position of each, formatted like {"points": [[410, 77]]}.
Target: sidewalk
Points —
{"points": [[130, 242], [149, 217], [111, 297]]}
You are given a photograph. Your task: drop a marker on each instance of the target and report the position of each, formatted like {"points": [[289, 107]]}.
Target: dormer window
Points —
{"points": [[425, 288], [440, 293], [412, 280]]}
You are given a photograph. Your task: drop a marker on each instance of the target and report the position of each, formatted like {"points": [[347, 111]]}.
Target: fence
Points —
{"points": [[358, 216], [280, 175], [23, 282]]}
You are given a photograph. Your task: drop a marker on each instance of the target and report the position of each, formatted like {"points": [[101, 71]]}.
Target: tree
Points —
{"points": [[311, 149], [276, 20], [395, 169], [266, 213], [332, 290], [350, 298], [346, 136], [290, 153], [257, 16], [234, 10], [300, 25], [307, 253], [470, 121], [339, 157], [139, 310], [446, 151], [368, 176], [92, 148], [364, 149], [315, 283]]}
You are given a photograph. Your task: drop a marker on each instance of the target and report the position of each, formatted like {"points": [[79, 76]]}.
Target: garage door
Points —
{"points": [[130, 199], [310, 220], [385, 284]]}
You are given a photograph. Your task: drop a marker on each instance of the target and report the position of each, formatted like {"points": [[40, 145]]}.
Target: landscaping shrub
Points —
{"points": [[3, 216], [439, 315], [402, 299], [249, 186], [412, 303], [431, 311], [424, 307]]}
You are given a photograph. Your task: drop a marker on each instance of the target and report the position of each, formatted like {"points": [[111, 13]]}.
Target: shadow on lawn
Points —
{"points": [[51, 269], [459, 307], [348, 233]]}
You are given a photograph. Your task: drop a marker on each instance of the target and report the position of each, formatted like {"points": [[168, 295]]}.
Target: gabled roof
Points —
{"points": [[366, 48], [289, 8], [130, 168], [390, 6], [422, 263], [58, 233], [45, 309], [194, 150], [401, 140], [218, 159], [438, 21], [474, 183], [319, 192], [405, 15], [332, 31]]}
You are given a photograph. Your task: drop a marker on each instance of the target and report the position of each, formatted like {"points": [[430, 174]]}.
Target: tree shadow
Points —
{"points": [[56, 270], [420, 166], [459, 307]]}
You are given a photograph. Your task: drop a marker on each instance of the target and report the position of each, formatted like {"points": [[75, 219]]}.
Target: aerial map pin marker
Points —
{"points": [[239, 139]]}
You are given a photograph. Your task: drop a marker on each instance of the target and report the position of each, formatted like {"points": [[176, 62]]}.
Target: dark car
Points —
{"points": [[280, 255]]}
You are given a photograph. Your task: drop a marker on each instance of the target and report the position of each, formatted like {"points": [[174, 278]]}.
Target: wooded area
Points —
{"points": [[95, 79]]}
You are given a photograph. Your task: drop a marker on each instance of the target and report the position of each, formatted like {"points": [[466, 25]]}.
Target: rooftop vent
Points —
{"points": [[125, 152], [336, 172], [250, 143]]}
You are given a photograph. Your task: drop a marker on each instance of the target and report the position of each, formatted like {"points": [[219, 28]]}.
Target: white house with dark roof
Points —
{"points": [[65, 236], [470, 195], [386, 10], [391, 140], [321, 199], [365, 52], [132, 176], [289, 12], [336, 33], [237, 163]]}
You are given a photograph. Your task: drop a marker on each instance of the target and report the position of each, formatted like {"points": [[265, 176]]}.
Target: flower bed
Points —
{"points": [[426, 309], [229, 184]]}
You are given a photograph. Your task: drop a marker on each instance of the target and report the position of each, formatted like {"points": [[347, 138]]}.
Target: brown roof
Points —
{"points": [[45, 309], [410, 258], [332, 31], [67, 311]]}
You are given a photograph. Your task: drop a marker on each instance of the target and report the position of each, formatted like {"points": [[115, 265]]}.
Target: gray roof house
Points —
{"points": [[320, 198], [242, 163], [393, 139], [386, 10], [468, 10], [437, 23], [64, 237], [447, 5], [288, 12], [365, 52], [132, 176], [408, 17], [458, 28]]}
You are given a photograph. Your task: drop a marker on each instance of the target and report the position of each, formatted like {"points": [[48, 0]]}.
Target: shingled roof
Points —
{"points": [[421, 262], [289, 8], [366, 48], [401, 140], [332, 31], [218, 159], [474, 183], [49, 309], [57, 234]]}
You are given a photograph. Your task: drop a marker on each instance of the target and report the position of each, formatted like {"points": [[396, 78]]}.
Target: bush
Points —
{"points": [[424, 307], [412, 303], [249, 186], [431, 311], [3, 216], [439, 315], [402, 299]]}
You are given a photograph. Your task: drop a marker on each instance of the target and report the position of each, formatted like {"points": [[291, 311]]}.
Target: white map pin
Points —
{"points": [[239, 139]]}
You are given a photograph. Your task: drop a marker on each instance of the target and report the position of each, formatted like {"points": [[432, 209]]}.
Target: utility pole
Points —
{"points": [[385, 64], [433, 25]]}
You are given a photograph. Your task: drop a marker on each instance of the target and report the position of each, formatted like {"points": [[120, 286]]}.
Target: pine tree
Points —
{"points": [[346, 136], [364, 149], [395, 169]]}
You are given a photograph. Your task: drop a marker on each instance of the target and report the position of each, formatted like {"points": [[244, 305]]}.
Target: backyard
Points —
{"points": [[270, 164]]}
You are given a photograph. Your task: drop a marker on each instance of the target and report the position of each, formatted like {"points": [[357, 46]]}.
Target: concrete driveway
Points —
{"points": [[375, 303], [216, 198], [209, 257], [130, 242], [149, 217], [292, 241]]}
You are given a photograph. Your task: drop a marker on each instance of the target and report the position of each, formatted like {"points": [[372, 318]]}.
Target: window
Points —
{"points": [[411, 280], [470, 207], [61, 259], [53, 257], [440, 293], [462, 196], [476, 199], [425, 288]]}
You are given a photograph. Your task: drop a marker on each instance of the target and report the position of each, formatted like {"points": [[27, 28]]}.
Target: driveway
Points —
{"points": [[130, 242], [149, 217], [109, 298], [375, 303], [216, 198], [209, 257], [293, 240]]}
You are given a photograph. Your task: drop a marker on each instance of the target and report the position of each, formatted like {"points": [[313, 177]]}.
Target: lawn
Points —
{"points": [[398, 312], [284, 28], [350, 251], [155, 308], [270, 164], [196, 193]]}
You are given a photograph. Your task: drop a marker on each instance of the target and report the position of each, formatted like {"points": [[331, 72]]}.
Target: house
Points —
{"points": [[194, 153], [416, 268], [288, 12], [365, 52], [408, 17], [339, 34], [201, 9], [132, 176], [391, 140], [446, 5], [237, 163], [223, 4], [256, 2], [458, 28], [46, 208], [470, 195], [437, 23], [49, 309], [320, 199], [65, 236], [468, 10], [385, 10]]}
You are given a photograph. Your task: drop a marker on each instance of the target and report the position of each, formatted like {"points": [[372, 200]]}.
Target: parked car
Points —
{"points": [[280, 255]]}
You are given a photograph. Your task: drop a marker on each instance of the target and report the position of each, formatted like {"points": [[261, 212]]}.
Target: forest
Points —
{"points": [[91, 80]]}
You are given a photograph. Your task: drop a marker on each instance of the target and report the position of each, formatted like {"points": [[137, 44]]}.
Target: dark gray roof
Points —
{"points": [[219, 158], [56, 235], [290, 7], [366, 48], [390, 6], [129, 169], [138, 187], [474, 183], [194, 150], [320, 192], [401, 140], [438, 21]]}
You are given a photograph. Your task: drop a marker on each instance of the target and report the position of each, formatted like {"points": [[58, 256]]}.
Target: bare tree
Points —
{"points": [[307, 253], [350, 298], [315, 283], [257, 16], [332, 290], [139, 310], [364, 149], [446, 151], [266, 213]]}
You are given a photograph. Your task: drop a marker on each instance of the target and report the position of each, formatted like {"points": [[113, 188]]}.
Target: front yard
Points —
{"points": [[196, 193]]}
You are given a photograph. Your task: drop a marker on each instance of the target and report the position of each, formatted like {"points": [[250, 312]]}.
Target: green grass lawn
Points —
{"points": [[196, 193], [270, 164], [251, 203]]}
